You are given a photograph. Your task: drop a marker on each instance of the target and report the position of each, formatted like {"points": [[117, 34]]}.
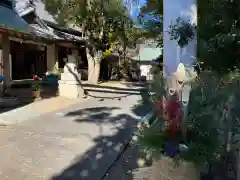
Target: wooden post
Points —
{"points": [[172, 54], [51, 58], [5, 70]]}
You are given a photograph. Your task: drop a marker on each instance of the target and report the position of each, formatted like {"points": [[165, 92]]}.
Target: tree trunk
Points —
{"points": [[94, 67], [93, 72]]}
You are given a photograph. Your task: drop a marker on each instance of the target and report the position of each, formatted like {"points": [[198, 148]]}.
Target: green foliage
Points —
{"points": [[36, 87], [152, 139], [124, 69], [230, 122], [213, 112], [157, 69], [103, 22], [127, 66], [156, 89], [153, 7], [203, 121], [153, 29], [182, 31], [218, 34]]}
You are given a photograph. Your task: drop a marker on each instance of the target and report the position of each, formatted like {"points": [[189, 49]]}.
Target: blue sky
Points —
{"points": [[135, 8]]}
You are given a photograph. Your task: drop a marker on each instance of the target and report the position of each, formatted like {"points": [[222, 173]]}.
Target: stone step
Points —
{"points": [[8, 102], [111, 91]]}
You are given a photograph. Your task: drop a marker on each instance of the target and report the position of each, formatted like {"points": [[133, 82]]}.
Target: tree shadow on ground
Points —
{"points": [[115, 133], [137, 109], [128, 167], [143, 103]]}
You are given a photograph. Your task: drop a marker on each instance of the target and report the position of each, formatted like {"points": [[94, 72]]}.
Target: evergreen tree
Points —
{"points": [[218, 34], [151, 18], [103, 23]]}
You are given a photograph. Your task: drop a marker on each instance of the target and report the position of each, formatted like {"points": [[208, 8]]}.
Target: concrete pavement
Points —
{"points": [[78, 142], [35, 109]]}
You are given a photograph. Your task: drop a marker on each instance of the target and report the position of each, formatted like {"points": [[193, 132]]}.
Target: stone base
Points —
{"points": [[70, 89]]}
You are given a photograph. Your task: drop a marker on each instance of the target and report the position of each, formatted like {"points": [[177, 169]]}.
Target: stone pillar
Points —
{"points": [[52, 59], [172, 54], [5, 60]]}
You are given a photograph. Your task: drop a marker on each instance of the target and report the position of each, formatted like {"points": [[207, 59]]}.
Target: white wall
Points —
{"points": [[146, 71], [172, 10]]}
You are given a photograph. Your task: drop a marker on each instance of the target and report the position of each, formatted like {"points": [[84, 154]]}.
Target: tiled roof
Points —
{"points": [[21, 5], [11, 20], [26, 11], [51, 33], [46, 33]]}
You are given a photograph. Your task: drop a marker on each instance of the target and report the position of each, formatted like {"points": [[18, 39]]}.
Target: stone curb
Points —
{"points": [[145, 118]]}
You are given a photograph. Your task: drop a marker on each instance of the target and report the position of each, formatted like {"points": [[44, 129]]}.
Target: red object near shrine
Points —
{"points": [[170, 110]]}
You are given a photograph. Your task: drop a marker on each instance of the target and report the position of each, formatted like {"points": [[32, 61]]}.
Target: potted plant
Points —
{"points": [[181, 145], [36, 90]]}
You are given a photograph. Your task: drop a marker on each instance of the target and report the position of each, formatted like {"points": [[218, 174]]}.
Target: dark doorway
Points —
{"points": [[62, 54], [104, 70], [27, 60]]}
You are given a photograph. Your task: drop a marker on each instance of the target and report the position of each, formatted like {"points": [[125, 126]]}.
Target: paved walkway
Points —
{"points": [[109, 90], [126, 165], [78, 142], [35, 109]]}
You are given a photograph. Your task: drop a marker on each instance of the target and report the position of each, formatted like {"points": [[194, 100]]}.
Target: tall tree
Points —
{"points": [[100, 20], [218, 34], [151, 17]]}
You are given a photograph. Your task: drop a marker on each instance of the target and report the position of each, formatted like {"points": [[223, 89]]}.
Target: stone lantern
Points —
{"points": [[70, 84]]}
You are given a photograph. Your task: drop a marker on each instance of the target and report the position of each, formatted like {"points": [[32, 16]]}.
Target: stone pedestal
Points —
{"points": [[70, 83]]}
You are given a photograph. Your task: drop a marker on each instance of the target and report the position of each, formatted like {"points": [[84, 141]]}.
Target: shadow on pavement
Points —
{"points": [[127, 165], [97, 161]]}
